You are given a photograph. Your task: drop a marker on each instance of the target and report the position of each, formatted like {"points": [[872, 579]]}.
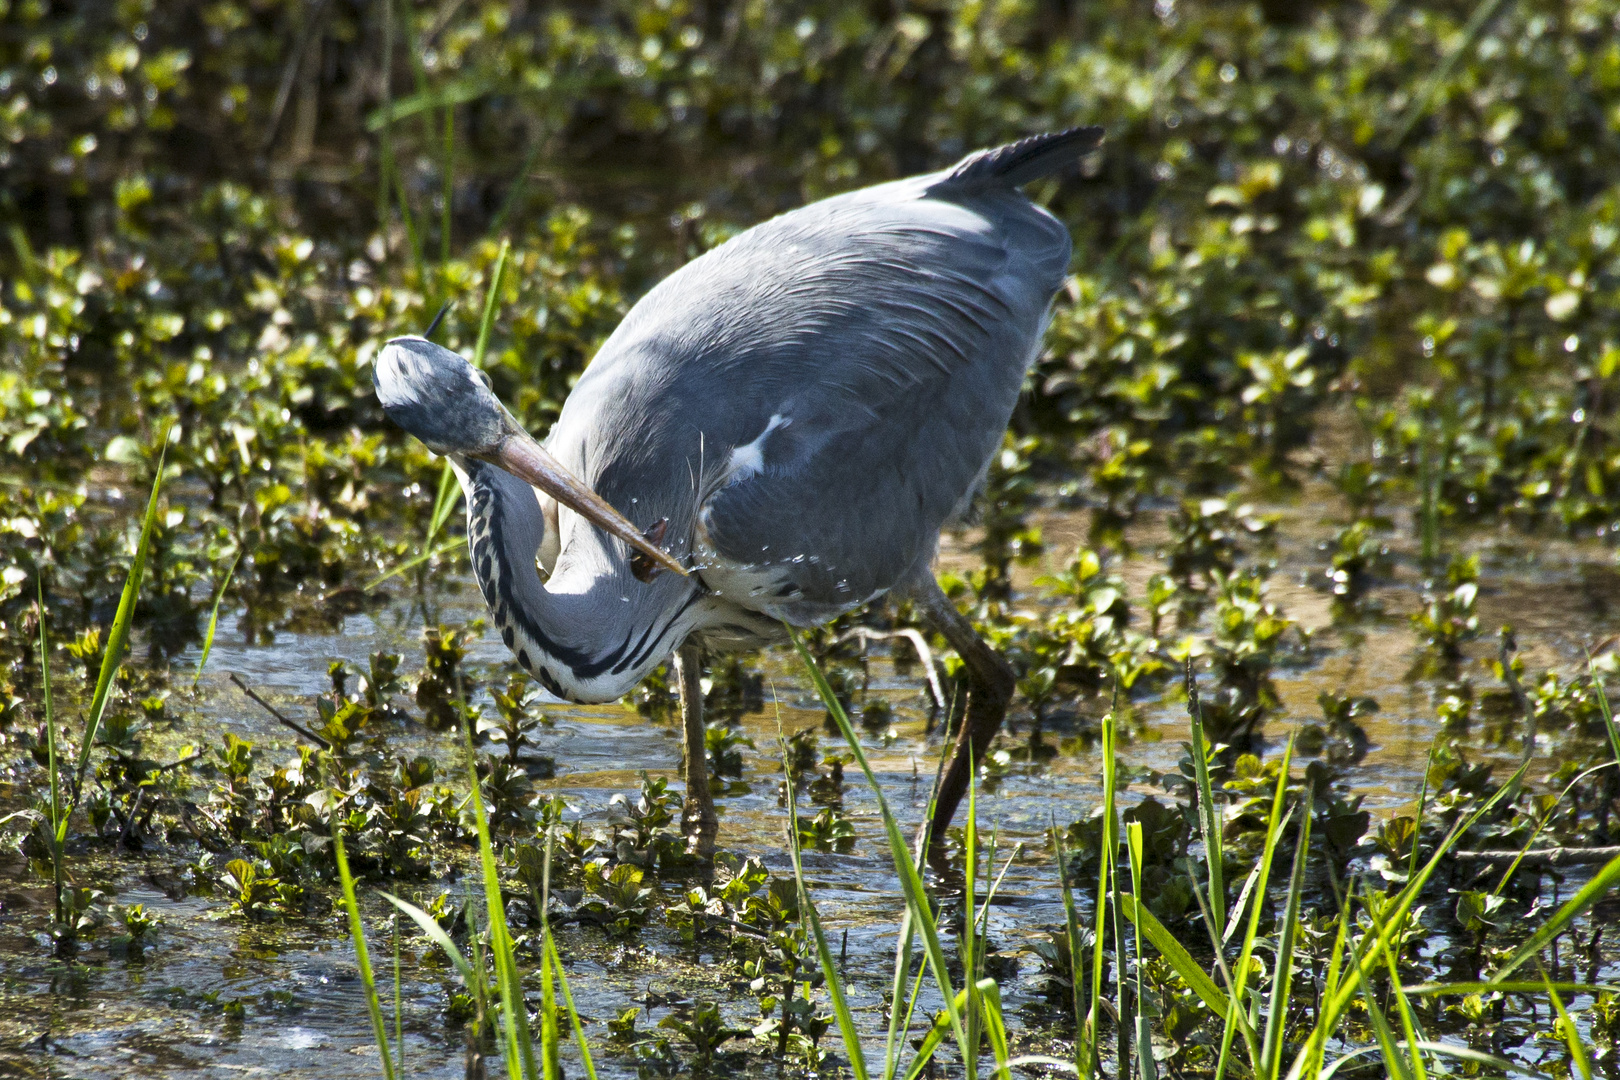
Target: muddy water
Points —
{"points": [[295, 1003]]}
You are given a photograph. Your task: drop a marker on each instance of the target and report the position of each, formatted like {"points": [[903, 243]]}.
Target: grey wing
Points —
{"points": [[907, 342]]}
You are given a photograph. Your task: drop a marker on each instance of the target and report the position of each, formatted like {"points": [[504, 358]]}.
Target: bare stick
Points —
{"points": [[1561, 856], [273, 711]]}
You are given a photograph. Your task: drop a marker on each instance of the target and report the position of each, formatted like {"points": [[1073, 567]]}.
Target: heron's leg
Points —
{"points": [[698, 820], [990, 689]]}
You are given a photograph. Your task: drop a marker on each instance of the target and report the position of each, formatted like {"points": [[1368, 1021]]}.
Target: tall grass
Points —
{"points": [[515, 1036], [916, 897], [213, 620], [1260, 1021], [969, 1015], [1258, 1018], [59, 811], [58, 820], [520, 1060], [118, 636], [362, 955], [1258, 1025], [829, 967]]}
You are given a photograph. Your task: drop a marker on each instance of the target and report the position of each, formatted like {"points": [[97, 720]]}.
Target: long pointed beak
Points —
{"points": [[527, 460]]}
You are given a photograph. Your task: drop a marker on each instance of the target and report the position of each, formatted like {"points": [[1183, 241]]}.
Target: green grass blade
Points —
{"points": [[1145, 1066], [995, 1025], [1510, 986], [1116, 924], [444, 501], [1609, 725], [399, 1004], [995, 887], [118, 637], [841, 1010], [1160, 937], [1339, 1000], [911, 1008], [1394, 1063], [435, 933], [520, 1047], [1208, 821], [1234, 917], [449, 195], [910, 880], [492, 301], [1589, 894], [1461, 1053], [520, 184], [829, 967], [213, 621], [969, 940], [1422, 808], [385, 161], [568, 1003], [1099, 917], [53, 765], [1282, 979], [1310, 1061], [391, 178], [1235, 1019], [987, 990], [362, 957], [1423, 100], [550, 1039], [936, 1035], [413, 563], [1214, 940], [902, 964], [1408, 1022], [1071, 929], [1543, 821], [1577, 1052]]}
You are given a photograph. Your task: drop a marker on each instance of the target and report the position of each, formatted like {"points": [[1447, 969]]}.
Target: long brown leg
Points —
{"points": [[698, 820], [990, 689]]}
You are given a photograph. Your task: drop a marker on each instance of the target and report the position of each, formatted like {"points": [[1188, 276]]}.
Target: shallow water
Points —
{"points": [[302, 1012]]}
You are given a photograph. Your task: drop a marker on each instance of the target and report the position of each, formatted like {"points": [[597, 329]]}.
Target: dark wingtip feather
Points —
{"points": [[1020, 162]]}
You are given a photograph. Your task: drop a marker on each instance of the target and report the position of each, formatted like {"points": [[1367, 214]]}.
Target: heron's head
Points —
{"points": [[436, 395]]}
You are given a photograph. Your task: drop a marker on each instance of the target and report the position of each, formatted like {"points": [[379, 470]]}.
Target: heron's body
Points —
{"points": [[806, 405], [794, 416]]}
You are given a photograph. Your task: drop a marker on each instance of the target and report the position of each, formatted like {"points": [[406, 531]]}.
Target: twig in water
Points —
{"points": [[273, 711], [1543, 857], [186, 810]]}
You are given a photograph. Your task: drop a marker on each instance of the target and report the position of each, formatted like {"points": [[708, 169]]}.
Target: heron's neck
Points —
{"points": [[586, 645]]}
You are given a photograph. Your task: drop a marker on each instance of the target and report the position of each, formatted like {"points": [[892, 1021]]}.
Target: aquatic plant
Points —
{"points": [[1350, 249]]}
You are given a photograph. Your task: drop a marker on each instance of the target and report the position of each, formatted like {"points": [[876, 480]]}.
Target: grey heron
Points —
{"points": [[785, 423]]}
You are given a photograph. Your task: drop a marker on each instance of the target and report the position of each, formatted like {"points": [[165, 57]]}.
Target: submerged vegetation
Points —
{"points": [[1334, 382]]}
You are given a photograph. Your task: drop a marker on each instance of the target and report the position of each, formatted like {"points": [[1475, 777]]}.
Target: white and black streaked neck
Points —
{"points": [[591, 640]]}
